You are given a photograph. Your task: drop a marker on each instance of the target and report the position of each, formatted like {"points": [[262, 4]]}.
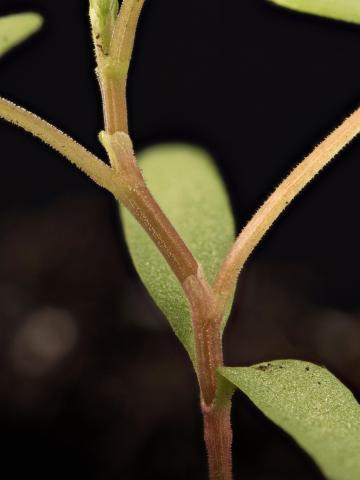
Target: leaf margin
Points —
{"points": [[311, 7], [338, 463]]}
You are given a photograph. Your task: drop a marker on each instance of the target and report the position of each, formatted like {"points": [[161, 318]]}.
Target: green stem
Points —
{"points": [[113, 93], [260, 223], [113, 68], [59, 141]]}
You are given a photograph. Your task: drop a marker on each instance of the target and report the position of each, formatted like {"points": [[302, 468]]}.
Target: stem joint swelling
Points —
{"points": [[205, 314]]}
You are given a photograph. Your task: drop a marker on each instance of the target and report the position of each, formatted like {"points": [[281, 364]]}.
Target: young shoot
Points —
{"points": [[180, 231]]}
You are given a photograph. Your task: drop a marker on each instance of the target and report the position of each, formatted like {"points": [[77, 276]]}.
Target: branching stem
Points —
{"points": [[97, 170], [263, 219], [114, 34], [206, 316], [134, 194]]}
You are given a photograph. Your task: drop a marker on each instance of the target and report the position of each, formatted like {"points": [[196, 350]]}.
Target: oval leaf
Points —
{"points": [[16, 28], [347, 10], [189, 189], [310, 404]]}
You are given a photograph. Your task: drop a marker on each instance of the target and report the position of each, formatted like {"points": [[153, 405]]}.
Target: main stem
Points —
{"points": [[218, 440], [205, 311], [112, 72], [206, 317]]}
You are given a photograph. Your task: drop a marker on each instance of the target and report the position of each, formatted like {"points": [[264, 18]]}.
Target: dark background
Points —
{"points": [[93, 385]]}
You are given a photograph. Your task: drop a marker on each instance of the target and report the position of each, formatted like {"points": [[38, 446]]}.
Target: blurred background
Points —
{"points": [[93, 384]]}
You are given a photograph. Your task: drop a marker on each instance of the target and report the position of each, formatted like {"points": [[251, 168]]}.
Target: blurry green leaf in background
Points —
{"points": [[16, 28], [347, 10]]}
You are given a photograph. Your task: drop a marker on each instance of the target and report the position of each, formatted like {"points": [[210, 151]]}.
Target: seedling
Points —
{"points": [[180, 231]]}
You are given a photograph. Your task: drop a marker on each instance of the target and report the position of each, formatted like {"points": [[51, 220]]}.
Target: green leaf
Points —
{"points": [[310, 404], [347, 10], [188, 187], [103, 15], [16, 28]]}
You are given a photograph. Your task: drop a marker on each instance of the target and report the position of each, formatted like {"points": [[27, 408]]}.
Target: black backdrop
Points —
{"points": [[92, 383]]}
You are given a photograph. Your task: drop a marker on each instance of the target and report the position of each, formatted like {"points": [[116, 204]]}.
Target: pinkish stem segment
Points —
{"points": [[218, 440], [206, 316]]}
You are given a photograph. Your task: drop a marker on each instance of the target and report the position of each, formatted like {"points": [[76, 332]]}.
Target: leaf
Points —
{"points": [[103, 15], [16, 28], [347, 10], [188, 187], [310, 404]]}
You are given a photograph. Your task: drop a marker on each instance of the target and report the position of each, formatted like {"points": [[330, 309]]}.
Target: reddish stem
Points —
{"points": [[133, 192], [218, 440], [206, 317]]}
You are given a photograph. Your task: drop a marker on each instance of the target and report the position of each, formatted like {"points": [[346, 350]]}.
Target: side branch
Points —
{"points": [[123, 36], [132, 191], [278, 201], [123, 180], [113, 67], [59, 141]]}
